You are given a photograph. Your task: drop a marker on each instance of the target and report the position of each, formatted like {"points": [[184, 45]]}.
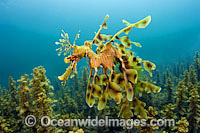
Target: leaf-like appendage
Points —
{"points": [[102, 101], [139, 108], [143, 23], [149, 66], [114, 91]]}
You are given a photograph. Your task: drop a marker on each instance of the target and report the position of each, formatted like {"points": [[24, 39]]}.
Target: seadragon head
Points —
{"points": [[78, 52], [75, 53], [65, 48]]}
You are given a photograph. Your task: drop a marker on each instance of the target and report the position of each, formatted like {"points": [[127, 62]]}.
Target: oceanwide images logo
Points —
{"points": [[46, 121]]}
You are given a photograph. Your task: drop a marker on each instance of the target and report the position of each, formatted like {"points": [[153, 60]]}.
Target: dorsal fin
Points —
{"points": [[101, 26], [141, 24]]}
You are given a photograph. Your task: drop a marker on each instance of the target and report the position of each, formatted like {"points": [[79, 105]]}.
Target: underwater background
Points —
{"points": [[30, 28]]}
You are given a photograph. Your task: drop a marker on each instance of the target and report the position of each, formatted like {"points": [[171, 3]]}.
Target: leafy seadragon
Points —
{"points": [[111, 56]]}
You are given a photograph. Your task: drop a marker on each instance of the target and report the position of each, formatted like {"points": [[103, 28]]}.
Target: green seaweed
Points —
{"points": [[197, 65], [168, 113], [194, 109], [169, 88], [181, 99], [193, 78], [182, 126]]}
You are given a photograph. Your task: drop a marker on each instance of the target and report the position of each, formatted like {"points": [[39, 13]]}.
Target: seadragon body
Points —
{"points": [[108, 56]]}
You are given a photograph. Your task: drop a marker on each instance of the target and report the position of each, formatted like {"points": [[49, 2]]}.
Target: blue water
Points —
{"points": [[29, 28]]}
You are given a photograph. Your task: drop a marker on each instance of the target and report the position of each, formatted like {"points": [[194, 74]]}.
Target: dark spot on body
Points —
{"points": [[144, 22], [117, 59], [135, 76], [129, 90], [126, 39], [122, 51], [149, 65], [92, 97], [96, 41], [134, 59], [120, 79], [114, 91], [121, 45], [124, 58], [127, 75], [103, 100], [134, 100], [128, 29], [99, 93], [117, 37], [120, 67], [88, 94], [99, 36], [104, 24], [93, 90], [89, 88], [104, 88], [85, 55], [150, 87], [126, 63], [142, 85], [93, 41], [113, 67], [101, 46], [138, 64], [104, 79], [113, 76]]}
